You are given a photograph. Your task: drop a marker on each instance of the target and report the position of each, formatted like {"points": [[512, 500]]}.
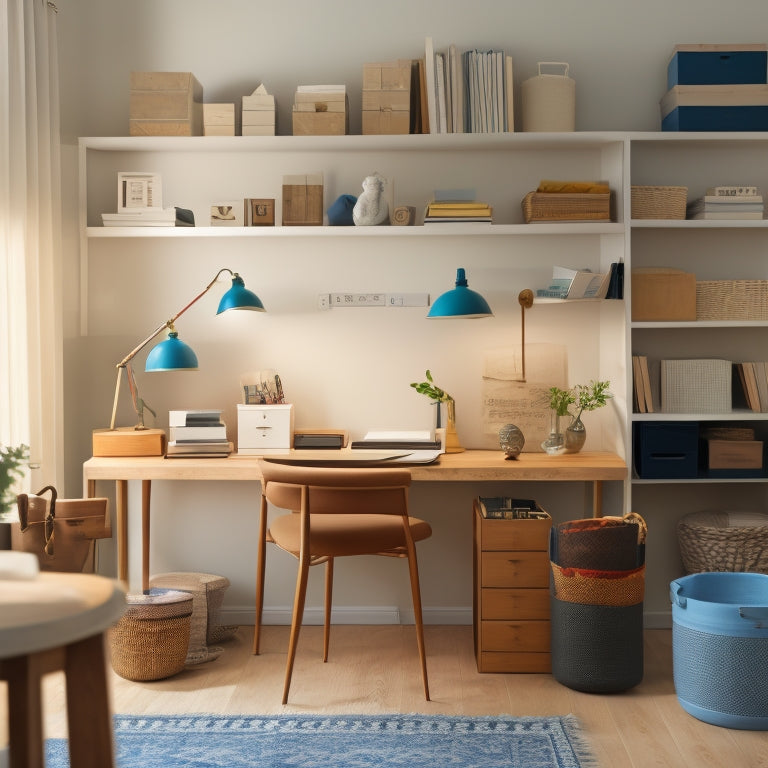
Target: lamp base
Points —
{"points": [[128, 441]]}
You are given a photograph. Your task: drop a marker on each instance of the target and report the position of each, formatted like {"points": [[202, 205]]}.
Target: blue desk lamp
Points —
{"points": [[173, 354]]}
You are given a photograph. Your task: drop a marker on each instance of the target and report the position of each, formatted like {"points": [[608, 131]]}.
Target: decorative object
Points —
{"points": [[12, 463], [511, 440], [549, 100], [258, 118], [404, 215], [228, 214], [261, 212], [387, 97], [344, 741], [371, 207], [431, 390], [169, 355], [303, 200], [218, 119], [340, 211], [586, 397], [139, 191]]}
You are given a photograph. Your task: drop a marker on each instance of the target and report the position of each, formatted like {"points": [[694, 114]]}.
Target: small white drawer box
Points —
{"points": [[263, 428]]}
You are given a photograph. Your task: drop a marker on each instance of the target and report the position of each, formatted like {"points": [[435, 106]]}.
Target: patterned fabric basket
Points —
{"points": [[732, 300], [658, 202], [578, 585], [724, 541]]}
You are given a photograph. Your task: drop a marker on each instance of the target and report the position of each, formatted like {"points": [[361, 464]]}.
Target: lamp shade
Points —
{"points": [[171, 355], [461, 302], [239, 297]]}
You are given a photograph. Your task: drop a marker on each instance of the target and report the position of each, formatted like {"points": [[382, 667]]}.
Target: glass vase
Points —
{"points": [[555, 443], [575, 435], [452, 444]]}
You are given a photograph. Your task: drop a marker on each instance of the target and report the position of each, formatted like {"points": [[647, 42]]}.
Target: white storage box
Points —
{"points": [[696, 386], [264, 428]]}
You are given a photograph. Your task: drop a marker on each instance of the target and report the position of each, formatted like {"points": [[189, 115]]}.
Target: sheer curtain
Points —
{"points": [[30, 237]]}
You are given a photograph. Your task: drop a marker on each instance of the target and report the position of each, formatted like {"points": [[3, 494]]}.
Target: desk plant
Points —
{"points": [[584, 397], [12, 463], [432, 391]]}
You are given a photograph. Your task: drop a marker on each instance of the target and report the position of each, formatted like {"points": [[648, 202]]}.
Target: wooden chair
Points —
{"points": [[336, 512]]}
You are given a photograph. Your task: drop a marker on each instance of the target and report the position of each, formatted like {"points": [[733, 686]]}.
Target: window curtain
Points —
{"points": [[31, 390]]}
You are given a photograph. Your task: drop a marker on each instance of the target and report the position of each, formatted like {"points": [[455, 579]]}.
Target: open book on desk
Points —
{"points": [[417, 440]]}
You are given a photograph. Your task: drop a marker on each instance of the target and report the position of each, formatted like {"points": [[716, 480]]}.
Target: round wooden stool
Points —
{"points": [[50, 622]]}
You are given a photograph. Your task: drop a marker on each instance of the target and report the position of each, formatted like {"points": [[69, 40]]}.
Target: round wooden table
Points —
{"points": [[51, 622]]}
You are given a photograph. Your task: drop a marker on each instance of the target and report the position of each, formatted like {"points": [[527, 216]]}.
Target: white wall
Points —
{"points": [[617, 51]]}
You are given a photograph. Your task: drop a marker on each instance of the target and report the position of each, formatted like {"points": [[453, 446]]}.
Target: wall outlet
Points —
{"points": [[323, 301]]}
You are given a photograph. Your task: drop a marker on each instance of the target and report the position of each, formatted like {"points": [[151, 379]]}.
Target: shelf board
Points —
{"points": [[696, 480], [470, 230], [737, 415], [698, 223], [660, 325]]}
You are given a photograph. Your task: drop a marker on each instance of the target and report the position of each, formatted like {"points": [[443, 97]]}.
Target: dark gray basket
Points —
{"points": [[597, 648]]}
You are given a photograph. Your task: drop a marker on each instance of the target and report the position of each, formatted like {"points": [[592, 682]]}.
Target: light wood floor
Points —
{"points": [[374, 670]]}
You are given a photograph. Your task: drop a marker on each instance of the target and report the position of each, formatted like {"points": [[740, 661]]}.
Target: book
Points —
{"points": [[584, 284], [731, 191], [194, 418], [431, 84], [646, 374], [200, 448], [725, 215], [638, 390], [197, 433]]}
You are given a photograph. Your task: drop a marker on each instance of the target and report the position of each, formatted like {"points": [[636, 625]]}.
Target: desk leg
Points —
{"points": [[25, 710], [597, 498], [121, 515], [146, 492]]}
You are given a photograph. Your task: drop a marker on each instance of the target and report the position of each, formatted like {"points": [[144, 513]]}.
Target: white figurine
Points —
{"points": [[371, 208]]}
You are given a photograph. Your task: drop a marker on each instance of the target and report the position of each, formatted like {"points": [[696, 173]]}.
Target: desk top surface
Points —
{"points": [[468, 466]]}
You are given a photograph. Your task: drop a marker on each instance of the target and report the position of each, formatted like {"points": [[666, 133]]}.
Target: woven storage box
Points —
{"points": [[732, 300], [696, 386], [207, 592], [547, 206], [720, 648], [724, 541], [150, 641], [596, 648], [658, 202]]}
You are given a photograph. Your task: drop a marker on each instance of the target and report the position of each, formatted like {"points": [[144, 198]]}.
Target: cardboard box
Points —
{"points": [[387, 98], [734, 454], [712, 64], [303, 200], [128, 441], [219, 119], [165, 104], [663, 294]]}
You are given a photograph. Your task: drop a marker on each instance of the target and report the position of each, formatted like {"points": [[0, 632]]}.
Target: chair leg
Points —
{"points": [[298, 614], [260, 568], [328, 604], [416, 594]]}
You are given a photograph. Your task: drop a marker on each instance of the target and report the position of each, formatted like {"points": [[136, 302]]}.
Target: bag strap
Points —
{"points": [[50, 518]]}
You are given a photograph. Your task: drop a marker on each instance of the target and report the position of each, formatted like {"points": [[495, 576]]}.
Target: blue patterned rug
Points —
{"points": [[355, 741]]}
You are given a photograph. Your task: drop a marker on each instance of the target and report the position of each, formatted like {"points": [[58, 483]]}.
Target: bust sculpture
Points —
{"points": [[371, 208]]}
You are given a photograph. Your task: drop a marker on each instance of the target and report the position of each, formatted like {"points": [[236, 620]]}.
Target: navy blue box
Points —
{"points": [[727, 65], [752, 118], [667, 449]]}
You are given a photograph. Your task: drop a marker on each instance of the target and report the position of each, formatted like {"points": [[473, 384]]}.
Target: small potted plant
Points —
{"points": [[584, 397], [432, 391], [12, 463]]}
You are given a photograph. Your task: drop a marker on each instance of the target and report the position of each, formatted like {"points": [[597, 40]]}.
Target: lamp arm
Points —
{"points": [[167, 324]]}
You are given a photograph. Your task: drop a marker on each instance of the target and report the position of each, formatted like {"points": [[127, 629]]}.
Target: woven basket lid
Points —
{"points": [[159, 603]]}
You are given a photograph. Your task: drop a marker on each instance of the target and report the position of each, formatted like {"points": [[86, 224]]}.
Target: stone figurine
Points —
{"points": [[371, 208]]}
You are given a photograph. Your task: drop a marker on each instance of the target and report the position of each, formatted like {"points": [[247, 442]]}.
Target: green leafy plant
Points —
{"points": [[586, 397], [560, 400], [431, 390], [12, 463]]}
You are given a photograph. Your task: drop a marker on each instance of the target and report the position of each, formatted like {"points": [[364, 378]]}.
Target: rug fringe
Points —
{"points": [[572, 726]]}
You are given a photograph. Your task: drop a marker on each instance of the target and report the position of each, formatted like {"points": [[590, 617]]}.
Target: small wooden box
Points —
{"points": [[663, 295], [735, 454], [165, 104], [303, 200], [128, 441], [387, 98], [320, 114], [258, 117], [219, 119]]}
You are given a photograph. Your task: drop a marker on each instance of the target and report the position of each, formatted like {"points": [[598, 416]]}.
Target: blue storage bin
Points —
{"points": [[720, 647], [667, 449], [719, 67], [735, 118]]}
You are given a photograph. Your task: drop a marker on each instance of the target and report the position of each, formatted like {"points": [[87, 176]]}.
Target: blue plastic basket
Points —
{"points": [[720, 647]]}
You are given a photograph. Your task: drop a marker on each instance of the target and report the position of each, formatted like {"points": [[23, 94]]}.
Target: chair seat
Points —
{"points": [[347, 534]]}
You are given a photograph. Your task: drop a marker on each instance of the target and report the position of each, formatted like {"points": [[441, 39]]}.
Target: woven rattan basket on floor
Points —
{"points": [[659, 202], [732, 300], [151, 639], [724, 541]]}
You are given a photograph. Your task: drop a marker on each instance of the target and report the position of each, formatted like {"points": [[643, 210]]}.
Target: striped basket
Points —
{"points": [[650, 202], [732, 300], [546, 206], [617, 588]]}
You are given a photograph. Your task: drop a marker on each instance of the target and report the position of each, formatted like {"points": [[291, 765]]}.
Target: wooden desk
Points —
{"points": [[470, 466]]}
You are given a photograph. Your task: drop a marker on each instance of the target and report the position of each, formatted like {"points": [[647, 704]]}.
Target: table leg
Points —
{"points": [[121, 514], [146, 492], [89, 714], [597, 498]]}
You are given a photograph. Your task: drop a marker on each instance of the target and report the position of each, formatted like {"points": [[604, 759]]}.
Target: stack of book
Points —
{"points": [[727, 202], [754, 382], [197, 434], [147, 217], [462, 211], [641, 379]]}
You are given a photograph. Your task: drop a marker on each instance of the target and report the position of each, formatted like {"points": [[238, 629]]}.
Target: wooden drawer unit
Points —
{"points": [[511, 604]]}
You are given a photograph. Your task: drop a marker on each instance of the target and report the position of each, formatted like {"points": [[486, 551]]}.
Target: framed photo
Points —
{"points": [[138, 191], [261, 212], [228, 214]]}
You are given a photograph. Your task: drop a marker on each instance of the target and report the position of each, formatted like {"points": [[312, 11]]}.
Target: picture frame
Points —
{"points": [[261, 212], [229, 213], [139, 191]]}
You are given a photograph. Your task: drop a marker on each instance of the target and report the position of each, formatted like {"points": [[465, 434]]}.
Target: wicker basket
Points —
{"points": [[724, 541], [659, 202], [732, 300], [151, 639], [552, 206]]}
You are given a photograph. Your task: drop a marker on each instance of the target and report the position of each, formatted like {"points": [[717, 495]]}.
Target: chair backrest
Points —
{"points": [[336, 490]]}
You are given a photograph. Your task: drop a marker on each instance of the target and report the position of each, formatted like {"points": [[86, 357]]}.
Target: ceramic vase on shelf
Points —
{"points": [[452, 444], [555, 443], [575, 435]]}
